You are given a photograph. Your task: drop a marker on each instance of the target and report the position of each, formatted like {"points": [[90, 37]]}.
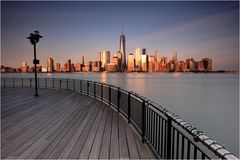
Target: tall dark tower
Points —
{"points": [[122, 49], [82, 60]]}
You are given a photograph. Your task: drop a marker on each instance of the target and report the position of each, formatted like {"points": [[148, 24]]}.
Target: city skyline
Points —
{"points": [[202, 29], [140, 62]]}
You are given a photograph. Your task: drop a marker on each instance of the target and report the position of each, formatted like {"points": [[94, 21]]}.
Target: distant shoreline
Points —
{"points": [[219, 71]]}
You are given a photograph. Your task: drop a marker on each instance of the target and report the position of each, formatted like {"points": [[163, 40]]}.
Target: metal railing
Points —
{"points": [[166, 134]]}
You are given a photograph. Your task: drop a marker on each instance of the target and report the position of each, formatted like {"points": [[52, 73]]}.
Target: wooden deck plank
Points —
{"points": [[23, 107], [18, 106], [33, 118], [81, 140], [60, 132], [144, 151], [15, 91], [86, 149], [28, 101], [133, 150], [34, 134], [106, 142], [34, 128], [123, 145], [63, 124], [58, 149], [42, 141], [114, 148], [71, 143], [14, 103], [38, 134], [23, 112], [95, 151]]}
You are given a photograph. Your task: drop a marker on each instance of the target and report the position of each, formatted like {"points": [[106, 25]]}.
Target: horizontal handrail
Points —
{"points": [[166, 134]]}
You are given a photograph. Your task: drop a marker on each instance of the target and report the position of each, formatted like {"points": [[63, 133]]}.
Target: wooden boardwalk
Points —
{"points": [[64, 125]]}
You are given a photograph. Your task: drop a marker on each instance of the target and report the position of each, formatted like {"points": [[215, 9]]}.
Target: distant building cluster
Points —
{"points": [[142, 62], [138, 62]]}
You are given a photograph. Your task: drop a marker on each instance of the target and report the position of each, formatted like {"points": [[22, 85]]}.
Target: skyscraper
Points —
{"points": [[69, 65], [96, 66], [25, 67], [82, 60], [122, 49], [65, 67], [207, 64], [138, 58], [50, 65], [78, 67], [163, 64], [72, 67], [104, 58], [144, 51], [192, 64], [131, 63], [200, 66], [155, 60], [58, 67], [174, 56], [151, 64], [116, 61], [144, 62], [174, 61], [119, 55]]}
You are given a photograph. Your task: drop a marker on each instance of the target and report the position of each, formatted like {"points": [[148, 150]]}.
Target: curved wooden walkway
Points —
{"points": [[64, 125]]}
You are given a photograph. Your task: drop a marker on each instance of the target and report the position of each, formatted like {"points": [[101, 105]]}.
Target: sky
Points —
{"points": [[71, 30]]}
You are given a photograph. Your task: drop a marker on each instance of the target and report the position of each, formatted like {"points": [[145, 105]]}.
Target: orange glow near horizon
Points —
{"points": [[103, 77], [176, 75]]}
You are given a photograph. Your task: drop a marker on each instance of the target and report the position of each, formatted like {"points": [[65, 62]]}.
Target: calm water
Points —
{"points": [[208, 101]]}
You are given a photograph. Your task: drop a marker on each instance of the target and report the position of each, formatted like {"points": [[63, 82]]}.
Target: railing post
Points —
{"points": [[109, 95], [4, 82], [87, 88], [38, 83], [22, 82], [81, 86], [13, 83], [74, 85], [143, 120], [60, 83], [94, 89], [102, 92], [67, 84], [53, 83], [30, 82], [169, 133], [118, 100], [129, 107]]}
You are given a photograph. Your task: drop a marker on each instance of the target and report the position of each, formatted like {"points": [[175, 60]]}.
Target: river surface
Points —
{"points": [[208, 101]]}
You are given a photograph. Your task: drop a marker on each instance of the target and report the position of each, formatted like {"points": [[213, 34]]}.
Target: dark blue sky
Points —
{"points": [[73, 29]]}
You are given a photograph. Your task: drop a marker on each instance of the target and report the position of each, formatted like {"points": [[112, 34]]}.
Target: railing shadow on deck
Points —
{"points": [[166, 134]]}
